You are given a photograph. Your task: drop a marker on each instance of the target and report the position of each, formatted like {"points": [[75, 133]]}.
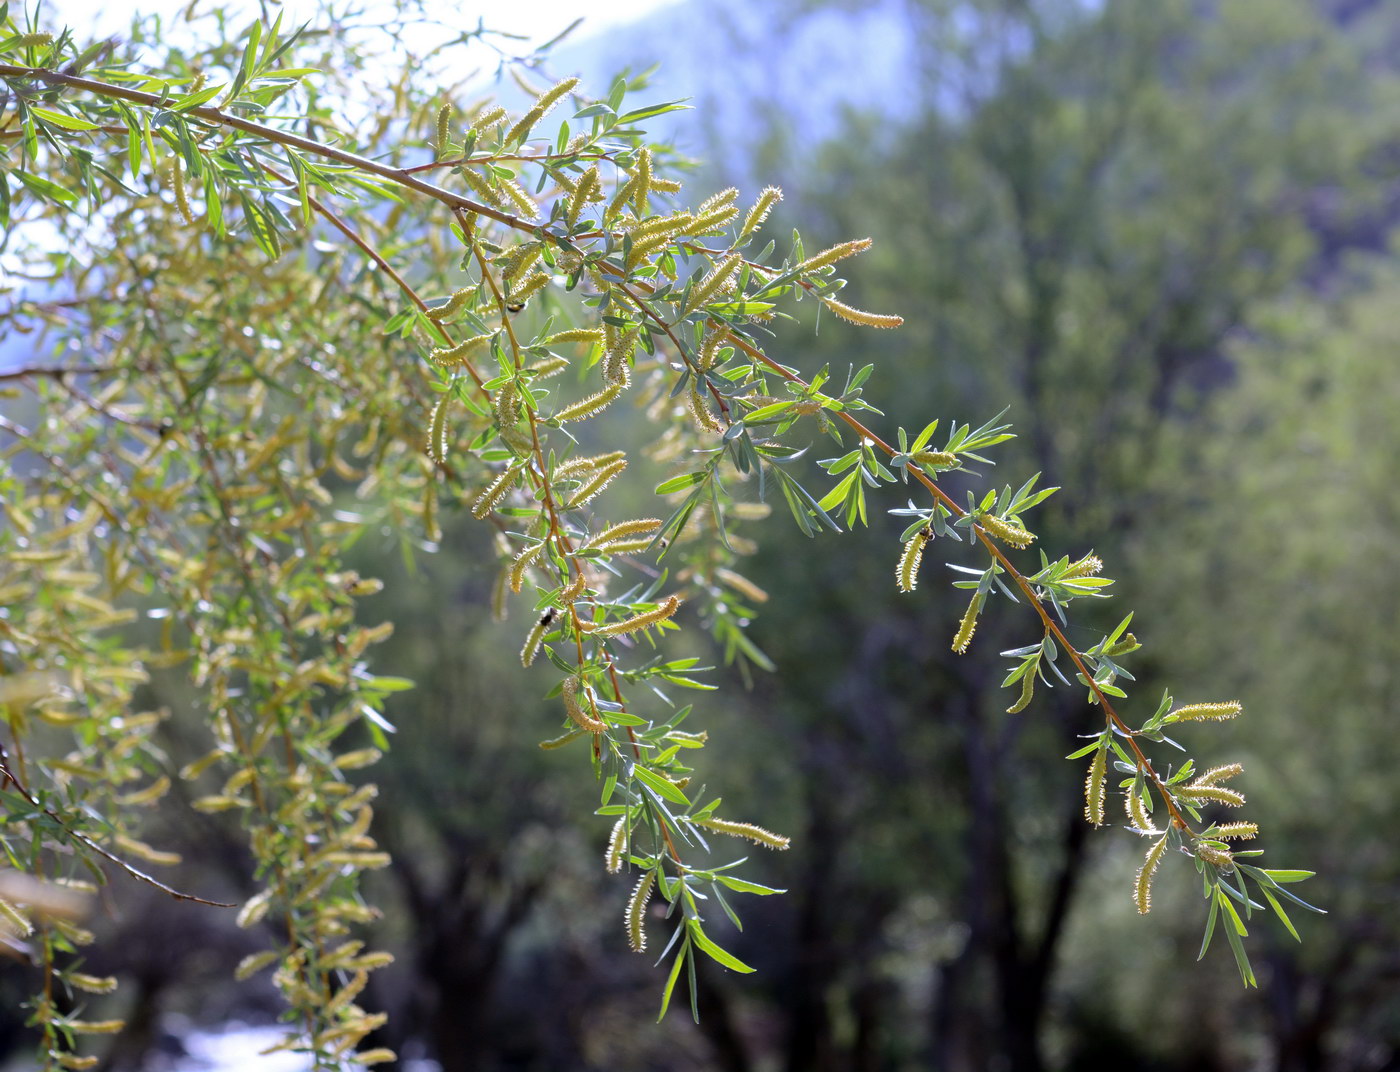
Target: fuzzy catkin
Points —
{"points": [[636, 909], [1142, 887]]}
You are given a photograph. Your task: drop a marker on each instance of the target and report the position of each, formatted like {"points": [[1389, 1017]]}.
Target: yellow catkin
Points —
{"points": [[767, 198], [741, 584], [1220, 858], [700, 411], [15, 919], [1005, 531], [33, 40], [488, 118], [1137, 810], [1216, 775], [582, 718], [570, 595], [1088, 566], [528, 288], [636, 909], [542, 107], [830, 256], [450, 308], [1142, 888], [521, 563], [177, 183], [642, 190], [1206, 711], [712, 283], [621, 196], [595, 484], [494, 493], [533, 639], [617, 845], [710, 349], [715, 212], [860, 316], [1237, 831], [936, 459], [968, 625], [1218, 794], [588, 189], [571, 469], [585, 335], [1094, 788], [518, 258], [444, 121], [749, 831], [640, 621], [550, 366], [587, 407], [907, 571], [437, 430], [457, 354], [1027, 693], [622, 530]]}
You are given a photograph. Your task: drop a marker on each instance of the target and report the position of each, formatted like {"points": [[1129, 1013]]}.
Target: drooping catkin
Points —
{"points": [[534, 638], [437, 429], [830, 256], [636, 909], [521, 563], [1205, 711], [700, 411], [1137, 810], [748, 831], [1094, 787], [907, 571], [1027, 692], [583, 718], [968, 625], [177, 184], [1008, 533], [640, 621], [860, 316], [537, 111], [1142, 888], [493, 494], [617, 846], [767, 198], [587, 407]]}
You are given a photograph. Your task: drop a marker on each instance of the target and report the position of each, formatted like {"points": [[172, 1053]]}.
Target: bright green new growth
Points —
{"points": [[663, 302]]}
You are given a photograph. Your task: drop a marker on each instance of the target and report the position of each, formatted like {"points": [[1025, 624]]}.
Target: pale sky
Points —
{"points": [[538, 19]]}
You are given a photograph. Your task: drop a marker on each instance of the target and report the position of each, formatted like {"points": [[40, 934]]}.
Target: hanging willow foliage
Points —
{"points": [[176, 469]]}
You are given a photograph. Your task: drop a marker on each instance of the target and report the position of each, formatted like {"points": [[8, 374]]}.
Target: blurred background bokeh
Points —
{"points": [[1162, 233]]}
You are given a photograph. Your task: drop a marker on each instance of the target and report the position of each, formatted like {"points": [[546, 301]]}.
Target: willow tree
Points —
{"points": [[268, 327]]}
